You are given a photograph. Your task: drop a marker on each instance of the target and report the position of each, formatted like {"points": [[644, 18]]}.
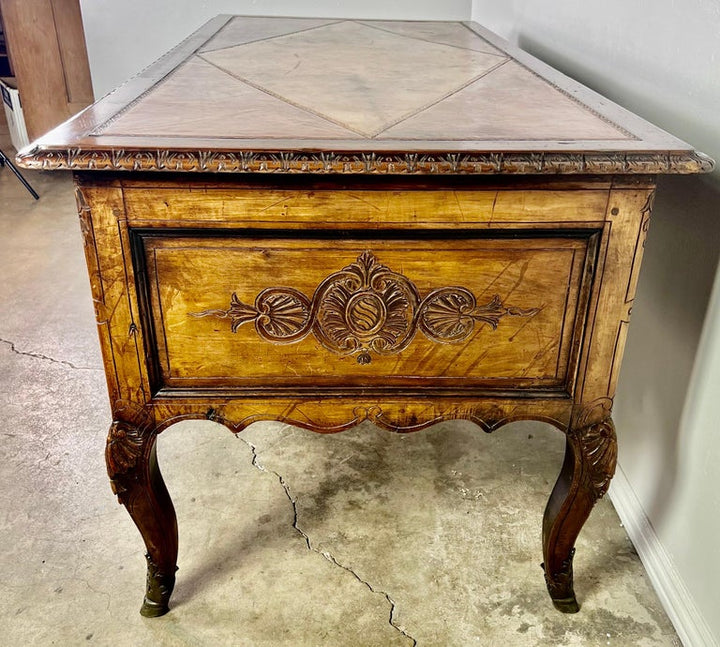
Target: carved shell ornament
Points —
{"points": [[365, 308], [123, 448], [595, 438]]}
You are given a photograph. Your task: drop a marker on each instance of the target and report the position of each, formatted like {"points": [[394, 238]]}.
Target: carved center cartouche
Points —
{"points": [[365, 314]]}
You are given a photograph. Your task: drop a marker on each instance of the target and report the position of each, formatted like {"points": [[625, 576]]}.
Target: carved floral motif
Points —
{"points": [[280, 314], [450, 314], [598, 444], [123, 452], [364, 308]]}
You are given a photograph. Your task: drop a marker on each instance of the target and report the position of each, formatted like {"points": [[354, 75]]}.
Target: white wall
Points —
{"points": [[124, 37], [660, 59]]}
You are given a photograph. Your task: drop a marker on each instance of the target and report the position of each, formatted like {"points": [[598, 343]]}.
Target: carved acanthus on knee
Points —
{"points": [[126, 451], [595, 442], [124, 448]]}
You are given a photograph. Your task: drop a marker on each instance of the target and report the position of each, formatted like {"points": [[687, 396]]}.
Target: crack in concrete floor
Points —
{"points": [[15, 350], [326, 555]]}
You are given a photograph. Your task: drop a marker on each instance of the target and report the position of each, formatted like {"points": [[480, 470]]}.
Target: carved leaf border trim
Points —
{"points": [[367, 163]]}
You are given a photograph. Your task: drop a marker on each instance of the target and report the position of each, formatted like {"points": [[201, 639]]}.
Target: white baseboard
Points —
{"points": [[674, 596]]}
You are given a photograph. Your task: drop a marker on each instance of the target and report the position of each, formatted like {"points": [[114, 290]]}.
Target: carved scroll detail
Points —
{"points": [[364, 308], [599, 447], [450, 314], [123, 451]]}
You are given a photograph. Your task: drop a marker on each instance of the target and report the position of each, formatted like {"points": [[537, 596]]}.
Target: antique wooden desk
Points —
{"points": [[330, 221]]}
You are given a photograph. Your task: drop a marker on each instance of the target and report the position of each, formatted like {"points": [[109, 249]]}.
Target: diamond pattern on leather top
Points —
{"points": [[307, 80], [371, 80], [454, 34]]}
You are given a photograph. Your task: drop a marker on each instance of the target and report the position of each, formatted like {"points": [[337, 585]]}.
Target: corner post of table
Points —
{"points": [[591, 443], [130, 453]]}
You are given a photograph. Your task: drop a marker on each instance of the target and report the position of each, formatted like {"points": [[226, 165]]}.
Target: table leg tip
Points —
{"points": [[152, 609], [567, 605]]}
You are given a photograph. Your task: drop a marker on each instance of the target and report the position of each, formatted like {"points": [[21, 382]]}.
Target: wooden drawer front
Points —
{"points": [[275, 313]]}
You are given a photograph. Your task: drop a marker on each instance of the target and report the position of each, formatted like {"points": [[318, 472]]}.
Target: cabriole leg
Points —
{"points": [[136, 480], [589, 465]]}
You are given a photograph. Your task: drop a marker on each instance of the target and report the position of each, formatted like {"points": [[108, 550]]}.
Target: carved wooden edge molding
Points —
{"points": [[366, 163], [593, 436], [126, 447], [364, 308]]}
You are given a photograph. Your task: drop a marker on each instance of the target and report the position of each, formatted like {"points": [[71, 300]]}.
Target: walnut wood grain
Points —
{"points": [[365, 309], [324, 208], [591, 444]]}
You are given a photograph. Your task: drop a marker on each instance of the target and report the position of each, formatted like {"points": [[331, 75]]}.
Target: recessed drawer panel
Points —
{"points": [[276, 314]]}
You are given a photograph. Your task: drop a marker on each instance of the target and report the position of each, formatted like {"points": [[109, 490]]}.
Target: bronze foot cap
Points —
{"points": [[566, 605], [151, 609], [159, 587]]}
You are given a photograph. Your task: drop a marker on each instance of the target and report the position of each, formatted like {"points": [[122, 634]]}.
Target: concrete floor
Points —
{"points": [[287, 538]]}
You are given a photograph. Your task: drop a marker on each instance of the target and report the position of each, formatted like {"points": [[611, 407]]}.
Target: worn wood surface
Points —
{"points": [[358, 209], [73, 54]]}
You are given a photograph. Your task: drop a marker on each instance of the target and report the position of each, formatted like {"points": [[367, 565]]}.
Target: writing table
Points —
{"points": [[328, 221]]}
